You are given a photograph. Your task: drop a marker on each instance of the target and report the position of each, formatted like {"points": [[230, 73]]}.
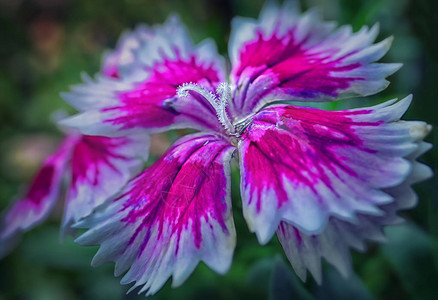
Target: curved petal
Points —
{"points": [[124, 54], [101, 166], [165, 59], [305, 251], [303, 165], [173, 215], [116, 65], [42, 194], [288, 56]]}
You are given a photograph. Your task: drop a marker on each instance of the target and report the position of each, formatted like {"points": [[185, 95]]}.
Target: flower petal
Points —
{"points": [[303, 165], [101, 166], [42, 194], [124, 54], [173, 215], [288, 56], [117, 64], [305, 251], [165, 59]]}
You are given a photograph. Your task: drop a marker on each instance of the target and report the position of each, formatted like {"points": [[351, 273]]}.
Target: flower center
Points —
{"points": [[218, 101]]}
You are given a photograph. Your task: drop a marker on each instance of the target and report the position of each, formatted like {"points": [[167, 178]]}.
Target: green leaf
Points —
{"points": [[334, 286], [410, 252], [285, 284]]}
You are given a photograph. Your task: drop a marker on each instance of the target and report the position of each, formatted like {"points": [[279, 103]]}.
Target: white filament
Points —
{"points": [[219, 104]]}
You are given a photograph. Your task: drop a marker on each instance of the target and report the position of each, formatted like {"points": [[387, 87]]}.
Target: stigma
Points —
{"points": [[219, 101]]}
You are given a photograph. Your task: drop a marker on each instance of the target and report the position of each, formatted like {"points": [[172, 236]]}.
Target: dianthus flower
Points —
{"points": [[94, 167], [323, 181]]}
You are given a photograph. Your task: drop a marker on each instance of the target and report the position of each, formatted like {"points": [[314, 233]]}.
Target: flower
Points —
{"points": [[323, 181], [95, 166]]}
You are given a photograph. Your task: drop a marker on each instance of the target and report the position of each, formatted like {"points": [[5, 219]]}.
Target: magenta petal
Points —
{"points": [[153, 103], [173, 215], [303, 165], [145, 99], [42, 194], [305, 250], [101, 166], [288, 56]]}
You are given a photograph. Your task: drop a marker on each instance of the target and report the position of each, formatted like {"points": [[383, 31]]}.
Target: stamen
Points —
{"points": [[219, 105], [224, 91], [183, 91]]}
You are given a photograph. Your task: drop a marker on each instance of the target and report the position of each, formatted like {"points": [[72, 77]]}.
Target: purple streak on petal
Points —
{"points": [[173, 215], [148, 105], [285, 66], [305, 251], [101, 166], [111, 71], [288, 56], [304, 165], [301, 149], [293, 69], [175, 187], [144, 97], [42, 194], [297, 235], [89, 154]]}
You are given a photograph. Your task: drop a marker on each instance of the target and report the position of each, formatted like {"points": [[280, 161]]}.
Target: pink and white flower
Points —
{"points": [[323, 181], [95, 168]]}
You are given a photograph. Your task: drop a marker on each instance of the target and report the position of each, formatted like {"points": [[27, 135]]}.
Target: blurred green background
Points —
{"points": [[46, 44]]}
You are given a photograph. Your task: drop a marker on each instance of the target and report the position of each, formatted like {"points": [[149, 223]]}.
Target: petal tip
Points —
{"points": [[420, 131]]}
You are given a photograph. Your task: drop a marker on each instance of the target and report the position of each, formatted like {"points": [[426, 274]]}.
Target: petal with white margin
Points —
{"points": [[124, 55], [164, 60], [287, 56], [305, 251], [42, 194], [116, 64], [303, 165], [100, 167], [173, 215]]}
